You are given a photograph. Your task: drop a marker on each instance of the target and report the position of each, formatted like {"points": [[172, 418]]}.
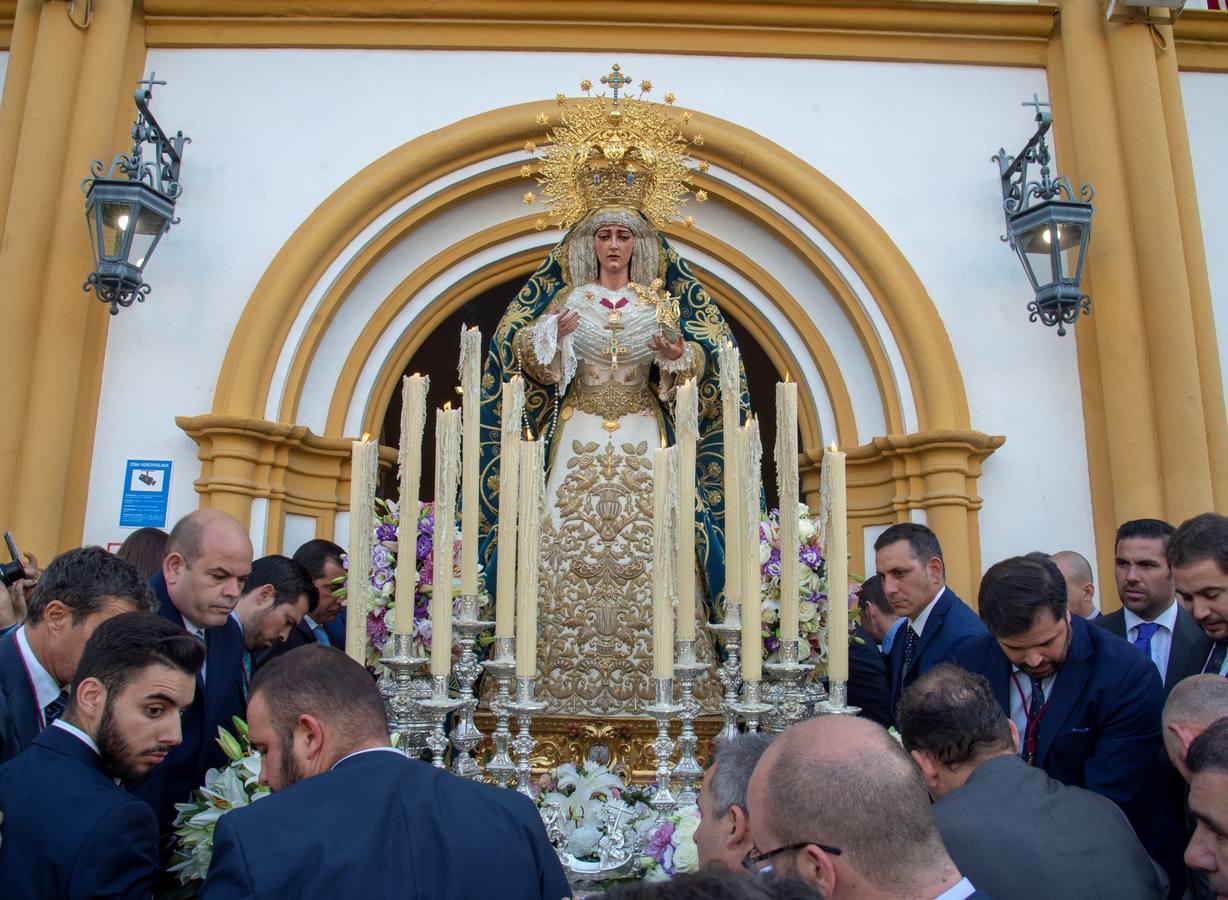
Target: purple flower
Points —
{"points": [[810, 557], [426, 525], [386, 533], [771, 568], [660, 840], [771, 643], [667, 860], [817, 598], [423, 549], [380, 557], [377, 629], [381, 576]]}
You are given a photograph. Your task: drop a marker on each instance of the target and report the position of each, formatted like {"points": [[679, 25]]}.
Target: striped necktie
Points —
{"points": [[1216, 660], [55, 708]]}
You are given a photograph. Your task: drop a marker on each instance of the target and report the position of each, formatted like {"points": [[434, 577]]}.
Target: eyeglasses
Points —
{"points": [[753, 860]]}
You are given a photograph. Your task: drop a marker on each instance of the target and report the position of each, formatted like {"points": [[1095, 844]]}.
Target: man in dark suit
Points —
{"points": [[70, 831], [352, 817], [1208, 848], [1086, 703], [277, 596], [909, 561], [1013, 830], [1151, 618], [208, 557], [79, 591], [322, 559], [836, 802], [1198, 554]]}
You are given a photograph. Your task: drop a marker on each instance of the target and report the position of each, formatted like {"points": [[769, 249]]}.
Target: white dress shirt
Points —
{"points": [[46, 688], [77, 733], [1020, 689], [1161, 641], [918, 624], [368, 750], [958, 891]]}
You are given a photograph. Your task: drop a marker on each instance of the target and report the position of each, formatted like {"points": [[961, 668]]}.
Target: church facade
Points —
{"points": [[354, 181]]}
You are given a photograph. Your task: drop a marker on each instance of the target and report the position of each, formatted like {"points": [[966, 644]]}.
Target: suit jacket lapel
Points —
{"points": [[1067, 689], [1187, 638], [18, 694], [1000, 678], [933, 625]]}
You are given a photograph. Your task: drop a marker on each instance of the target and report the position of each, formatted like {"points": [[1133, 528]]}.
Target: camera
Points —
{"points": [[11, 572]]}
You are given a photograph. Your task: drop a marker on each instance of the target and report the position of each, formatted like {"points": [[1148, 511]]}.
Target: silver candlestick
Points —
{"points": [[730, 672], [663, 800], [501, 768], [437, 706], [751, 707], [465, 734], [788, 673], [403, 691], [524, 707], [836, 703], [688, 771]]}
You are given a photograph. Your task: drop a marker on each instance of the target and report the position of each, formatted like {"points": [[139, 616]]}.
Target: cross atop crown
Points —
{"points": [[616, 79]]}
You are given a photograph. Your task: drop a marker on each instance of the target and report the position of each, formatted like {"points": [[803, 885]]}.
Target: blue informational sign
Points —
{"points": [[147, 490]]}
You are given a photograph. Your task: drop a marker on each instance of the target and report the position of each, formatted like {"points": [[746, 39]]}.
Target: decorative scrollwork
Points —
{"points": [[1060, 314], [116, 296]]}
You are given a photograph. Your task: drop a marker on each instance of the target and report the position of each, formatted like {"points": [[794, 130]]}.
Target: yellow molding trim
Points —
{"points": [[1202, 41], [247, 369], [902, 30], [8, 19]]}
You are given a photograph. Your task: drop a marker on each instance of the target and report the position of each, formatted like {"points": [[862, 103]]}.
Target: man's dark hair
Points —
{"points": [[714, 882], [871, 594], [1199, 538], [314, 554], [289, 580], [325, 683], [123, 646], [1209, 751], [1155, 529], [144, 548], [924, 543], [952, 715], [1014, 591], [85, 580]]}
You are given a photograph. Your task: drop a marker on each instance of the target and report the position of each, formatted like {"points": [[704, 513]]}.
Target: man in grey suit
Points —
{"points": [[1009, 827], [1151, 618]]}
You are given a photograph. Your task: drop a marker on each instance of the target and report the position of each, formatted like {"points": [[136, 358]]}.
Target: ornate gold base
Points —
{"points": [[622, 744]]}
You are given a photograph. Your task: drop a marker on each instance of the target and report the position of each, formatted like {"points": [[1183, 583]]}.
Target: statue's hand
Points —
{"points": [[671, 350], [569, 321]]}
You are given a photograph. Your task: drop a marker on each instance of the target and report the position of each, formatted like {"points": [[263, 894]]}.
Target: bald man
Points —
{"points": [[836, 802], [208, 558], [1193, 705], [1080, 589]]}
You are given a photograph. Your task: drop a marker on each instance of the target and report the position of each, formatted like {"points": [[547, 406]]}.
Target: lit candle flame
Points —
{"points": [[833, 448], [447, 406], [528, 433], [366, 436]]}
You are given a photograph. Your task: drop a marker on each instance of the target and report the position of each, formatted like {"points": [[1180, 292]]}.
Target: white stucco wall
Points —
{"points": [[910, 143], [1205, 96]]}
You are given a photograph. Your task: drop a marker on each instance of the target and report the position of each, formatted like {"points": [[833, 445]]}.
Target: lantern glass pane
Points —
{"points": [[115, 220], [1039, 254], [149, 226], [1071, 243]]}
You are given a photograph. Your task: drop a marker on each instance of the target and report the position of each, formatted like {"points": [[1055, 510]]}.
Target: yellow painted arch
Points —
{"points": [[247, 369]]}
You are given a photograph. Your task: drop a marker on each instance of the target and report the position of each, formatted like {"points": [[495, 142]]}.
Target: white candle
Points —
{"points": [[686, 419], [447, 465], [532, 486], [471, 397], [509, 501], [787, 487], [752, 600], [413, 422], [837, 571], [664, 493], [364, 461], [731, 395]]}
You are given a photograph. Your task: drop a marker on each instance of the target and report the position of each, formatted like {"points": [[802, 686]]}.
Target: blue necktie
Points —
{"points": [[1143, 640], [1216, 660], [247, 673], [55, 708], [321, 636]]}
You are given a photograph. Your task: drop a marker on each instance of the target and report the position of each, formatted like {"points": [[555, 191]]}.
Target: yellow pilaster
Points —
{"points": [[16, 85], [81, 75], [1159, 249]]}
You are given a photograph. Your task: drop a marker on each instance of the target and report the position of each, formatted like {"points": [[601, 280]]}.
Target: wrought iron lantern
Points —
{"points": [[1047, 227], [127, 216]]}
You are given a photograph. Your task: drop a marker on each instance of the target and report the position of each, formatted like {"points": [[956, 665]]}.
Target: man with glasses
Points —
{"points": [[1086, 703], [837, 803]]}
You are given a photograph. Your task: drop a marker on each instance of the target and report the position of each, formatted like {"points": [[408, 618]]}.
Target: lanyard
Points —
{"points": [[1033, 725]]}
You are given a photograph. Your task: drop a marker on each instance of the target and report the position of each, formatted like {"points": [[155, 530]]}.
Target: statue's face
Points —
{"points": [[613, 245]]}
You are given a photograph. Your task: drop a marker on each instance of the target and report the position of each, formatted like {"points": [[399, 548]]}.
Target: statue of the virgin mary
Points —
{"points": [[601, 368]]}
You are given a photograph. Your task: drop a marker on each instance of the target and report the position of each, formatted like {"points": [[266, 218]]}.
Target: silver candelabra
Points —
{"points": [[836, 703], [664, 709], [437, 707], [403, 689], [788, 673], [524, 708], [751, 707], [500, 768], [688, 771], [730, 672], [465, 734]]}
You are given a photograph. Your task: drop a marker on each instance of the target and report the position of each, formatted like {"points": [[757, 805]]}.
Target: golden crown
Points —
{"points": [[615, 151]]}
